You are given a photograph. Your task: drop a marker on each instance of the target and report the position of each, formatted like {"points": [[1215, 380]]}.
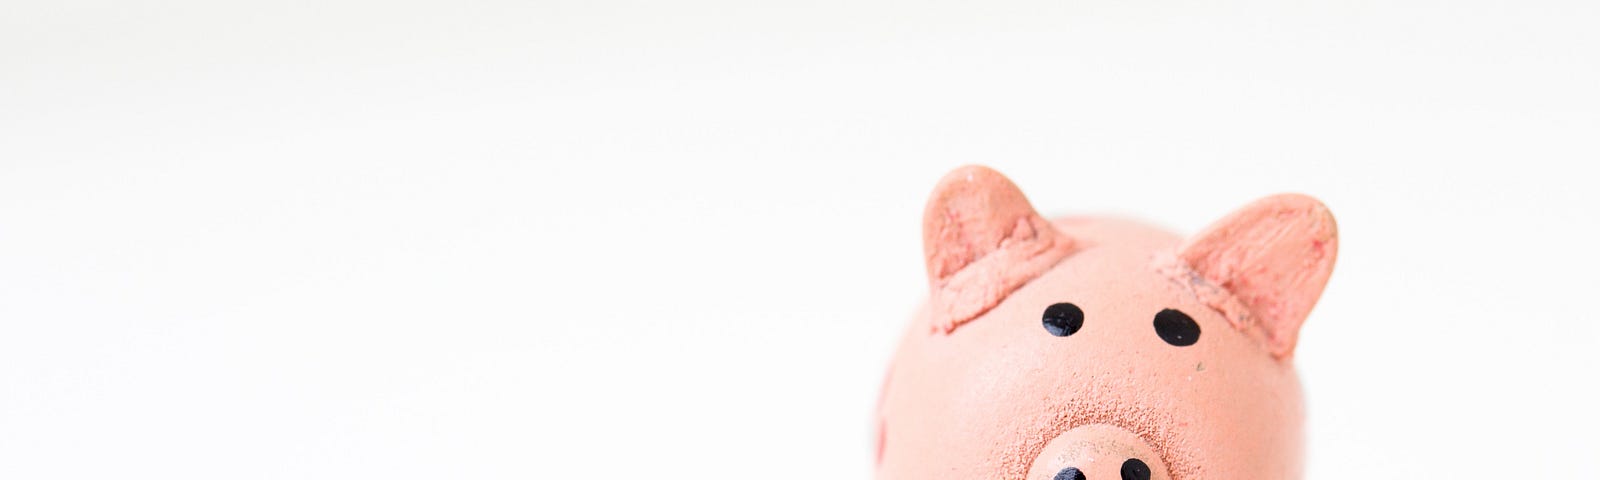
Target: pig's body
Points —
{"points": [[998, 392]]}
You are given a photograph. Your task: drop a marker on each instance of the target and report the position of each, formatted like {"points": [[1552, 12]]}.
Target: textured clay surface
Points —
{"points": [[980, 388]]}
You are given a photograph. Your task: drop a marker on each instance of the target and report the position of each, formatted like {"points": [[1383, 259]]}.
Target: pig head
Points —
{"points": [[1098, 348]]}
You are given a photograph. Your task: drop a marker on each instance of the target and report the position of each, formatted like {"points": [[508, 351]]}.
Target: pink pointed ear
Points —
{"points": [[982, 241], [1274, 256]]}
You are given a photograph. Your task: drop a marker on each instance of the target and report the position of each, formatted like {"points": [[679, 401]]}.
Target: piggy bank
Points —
{"points": [[1100, 348]]}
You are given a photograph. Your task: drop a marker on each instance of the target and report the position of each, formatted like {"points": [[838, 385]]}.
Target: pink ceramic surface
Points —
{"points": [[1100, 348]]}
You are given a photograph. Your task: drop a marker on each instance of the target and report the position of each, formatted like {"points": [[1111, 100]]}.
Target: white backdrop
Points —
{"points": [[360, 239]]}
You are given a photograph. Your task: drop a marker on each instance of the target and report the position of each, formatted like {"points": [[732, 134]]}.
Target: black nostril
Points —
{"points": [[1069, 473], [1135, 469]]}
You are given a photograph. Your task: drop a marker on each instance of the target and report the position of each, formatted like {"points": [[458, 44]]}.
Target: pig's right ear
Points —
{"points": [[1274, 256], [982, 241]]}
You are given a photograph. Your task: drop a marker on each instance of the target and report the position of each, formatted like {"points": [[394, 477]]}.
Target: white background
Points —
{"points": [[679, 239]]}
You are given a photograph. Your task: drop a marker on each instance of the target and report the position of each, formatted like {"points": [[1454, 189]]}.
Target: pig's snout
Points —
{"points": [[1098, 452]]}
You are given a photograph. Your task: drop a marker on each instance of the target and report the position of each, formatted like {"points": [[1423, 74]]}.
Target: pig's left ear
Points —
{"points": [[983, 240], [1274, 256]]}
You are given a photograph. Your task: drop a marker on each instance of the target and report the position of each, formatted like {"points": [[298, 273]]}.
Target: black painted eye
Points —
{"points": [[1177, 328], [1063, 319], [1135, 469], [1069, 473]]}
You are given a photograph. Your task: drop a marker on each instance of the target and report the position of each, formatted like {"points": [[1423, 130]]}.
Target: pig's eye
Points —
{"points": [[1176, 328], [1135, 469], [1063, 319]]}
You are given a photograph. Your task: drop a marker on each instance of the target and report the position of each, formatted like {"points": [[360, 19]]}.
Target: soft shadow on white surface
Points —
{"points": [[583, 239]]}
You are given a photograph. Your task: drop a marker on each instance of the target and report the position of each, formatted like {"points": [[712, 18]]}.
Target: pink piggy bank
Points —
{"points": [[1098, 348]]}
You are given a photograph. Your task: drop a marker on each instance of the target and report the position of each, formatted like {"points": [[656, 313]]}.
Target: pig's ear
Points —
{"points": [[982, 241], [1274, 256]]}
